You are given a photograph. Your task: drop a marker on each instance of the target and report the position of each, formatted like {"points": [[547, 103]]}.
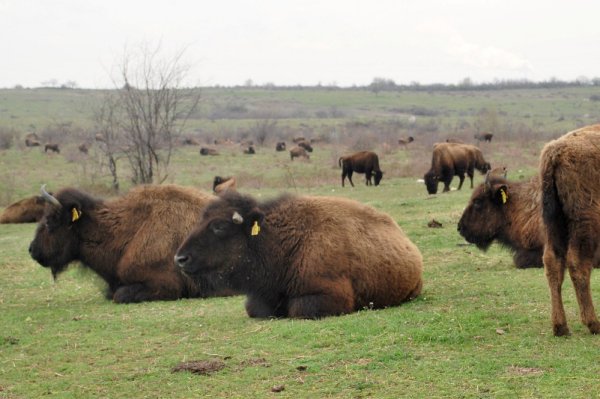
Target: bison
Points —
{"points": [[189, 141], [222, 184], [83, 147], [298, 152], [52, 147], [303, 257], [451, 159], [250, 150], [366, 162], [483, 137], [306, 145], [32, 140], [570, 172], [280, 146], [27, 210], [509, 213], [208, 151], [404, 141], [129, 241]]}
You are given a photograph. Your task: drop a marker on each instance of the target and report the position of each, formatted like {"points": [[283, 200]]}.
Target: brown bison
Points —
{"points": [[250, 150], [303, 257], [129, 241], [483, 137], [298, 139], [306, 145], [208, 151], [454, 140], [83, 147], [27, 210], [366, 162], [189, 141], [570, 172], [52, 147], [32, 140], [280, 146], [222, 184], [404, 141], [298, 152], [100, 137], [509, 213], [451, 159]]}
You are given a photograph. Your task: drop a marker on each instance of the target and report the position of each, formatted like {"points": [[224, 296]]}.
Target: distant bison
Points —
{"points": [[366, 162], [83, 147], [222, 184], [27, 210], [208, 151], [450, 159], [483, 137], [189, 141], [570, 172], [129, 241], [100, 137], [454, 140], [298, 152], [507, 212], [404, 141], [280, 146], [303, 257], [306, 145], [250, 150], [298, 139], [52, 147], [32, 140]]}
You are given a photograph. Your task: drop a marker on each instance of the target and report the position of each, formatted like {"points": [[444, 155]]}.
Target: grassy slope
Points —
{"points": [[480, 328]]}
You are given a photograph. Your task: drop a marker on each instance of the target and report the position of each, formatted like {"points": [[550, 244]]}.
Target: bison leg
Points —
{"points": [[555, 274], [138, 292], [526, 258], [470, 174], [580, 269], [336, 298], [368, 177], [257, 307], [461, 176], [350, 177]]}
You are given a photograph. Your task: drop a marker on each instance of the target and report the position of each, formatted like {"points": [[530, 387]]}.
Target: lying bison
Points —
{"points": [[208, 151], [27, 210], [222, 184], [280, 146], [366, 162], [301, 256], [450, 159], [52, 147], [298, 152], [509, 213], [129, 241], [570, 172], [250, 150]]}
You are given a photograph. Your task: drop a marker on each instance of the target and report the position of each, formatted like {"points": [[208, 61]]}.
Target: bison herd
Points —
{"points": [[311, 257]]}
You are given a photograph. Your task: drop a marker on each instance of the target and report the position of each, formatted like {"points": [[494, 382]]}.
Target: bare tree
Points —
{"points": [[155, 109], [108, 134]]}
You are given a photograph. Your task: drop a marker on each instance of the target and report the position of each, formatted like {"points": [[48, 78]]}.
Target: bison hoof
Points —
{"points": [[594, 327], [561, 330]]}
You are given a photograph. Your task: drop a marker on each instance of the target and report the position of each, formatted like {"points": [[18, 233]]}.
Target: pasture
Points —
{"points": [[480, 328]]}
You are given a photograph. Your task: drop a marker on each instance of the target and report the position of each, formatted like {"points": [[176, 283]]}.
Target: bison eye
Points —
{"points": [[220, 228]]}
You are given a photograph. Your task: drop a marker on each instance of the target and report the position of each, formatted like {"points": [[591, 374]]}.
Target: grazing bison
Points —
{"points": [[298, 152], [83, 147], [570, 172], [250, 150], [306, 145], [280, 146], [222, 184], [27, 210], [509, 213], [366, 162], [129, 241], [451, 159], [404, 141], [52, 147], [304, 257], [208, 151], [483, 137]]}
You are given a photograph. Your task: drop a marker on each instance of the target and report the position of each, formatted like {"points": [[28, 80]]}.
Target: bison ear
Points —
{"points": [[255, 219], [501, 193], [76, 214]]}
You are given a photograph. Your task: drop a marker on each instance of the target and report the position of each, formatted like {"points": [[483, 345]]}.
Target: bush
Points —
{"points": [[7, 137]]}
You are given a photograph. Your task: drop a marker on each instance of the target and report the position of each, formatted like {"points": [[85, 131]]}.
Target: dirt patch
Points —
{"points": [[204, 367], [255, 362], [525, 370], [434, 224]]}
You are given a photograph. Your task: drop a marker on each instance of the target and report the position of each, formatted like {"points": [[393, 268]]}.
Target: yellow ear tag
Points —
{"points": [[504, 195], [75, 214], [255, 229]]}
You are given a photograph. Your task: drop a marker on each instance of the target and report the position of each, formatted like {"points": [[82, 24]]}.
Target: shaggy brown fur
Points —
{"points": [[570, 172], [312, 257], [514, 219], [208, 151], [280, 146], [366, 162], [27, 210], [52, 147], [298, 152], [450, 159], [306, 145], [222, 184], [83, 147], [129, 241], [250, 150]]}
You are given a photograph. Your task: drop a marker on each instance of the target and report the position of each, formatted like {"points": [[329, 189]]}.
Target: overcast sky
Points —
{"points": [[288, 42]]}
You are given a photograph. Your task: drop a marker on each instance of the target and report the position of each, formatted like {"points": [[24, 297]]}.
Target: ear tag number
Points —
{"points": [[504, 195], [255, 229], [75, 214]]}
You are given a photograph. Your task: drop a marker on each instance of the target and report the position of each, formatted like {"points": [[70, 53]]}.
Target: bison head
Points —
{"points": [[431, 182], [219, 244], [378, 175], [484, 218], [56, 242]]}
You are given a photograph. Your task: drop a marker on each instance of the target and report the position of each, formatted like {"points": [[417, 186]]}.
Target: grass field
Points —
{"points": [[480, 329]]}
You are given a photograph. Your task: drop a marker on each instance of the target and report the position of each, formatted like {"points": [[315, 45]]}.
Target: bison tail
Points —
{"points": [[552, 207], [340, 162]]}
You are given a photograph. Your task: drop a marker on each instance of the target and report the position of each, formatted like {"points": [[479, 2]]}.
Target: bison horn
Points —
{"points": [[48, 197], [237, 218]]}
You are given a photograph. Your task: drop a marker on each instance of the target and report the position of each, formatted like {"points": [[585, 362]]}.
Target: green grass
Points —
{"points": [[480, 329]]}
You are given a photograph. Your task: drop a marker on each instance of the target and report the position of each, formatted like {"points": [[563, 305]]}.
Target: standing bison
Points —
{"points": [[129, 241], [27, 210], [52, 147], [509, 213], [483, 137], [303, 257], [450, 159], [366, 162], [298, 152], [570, 172]]}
